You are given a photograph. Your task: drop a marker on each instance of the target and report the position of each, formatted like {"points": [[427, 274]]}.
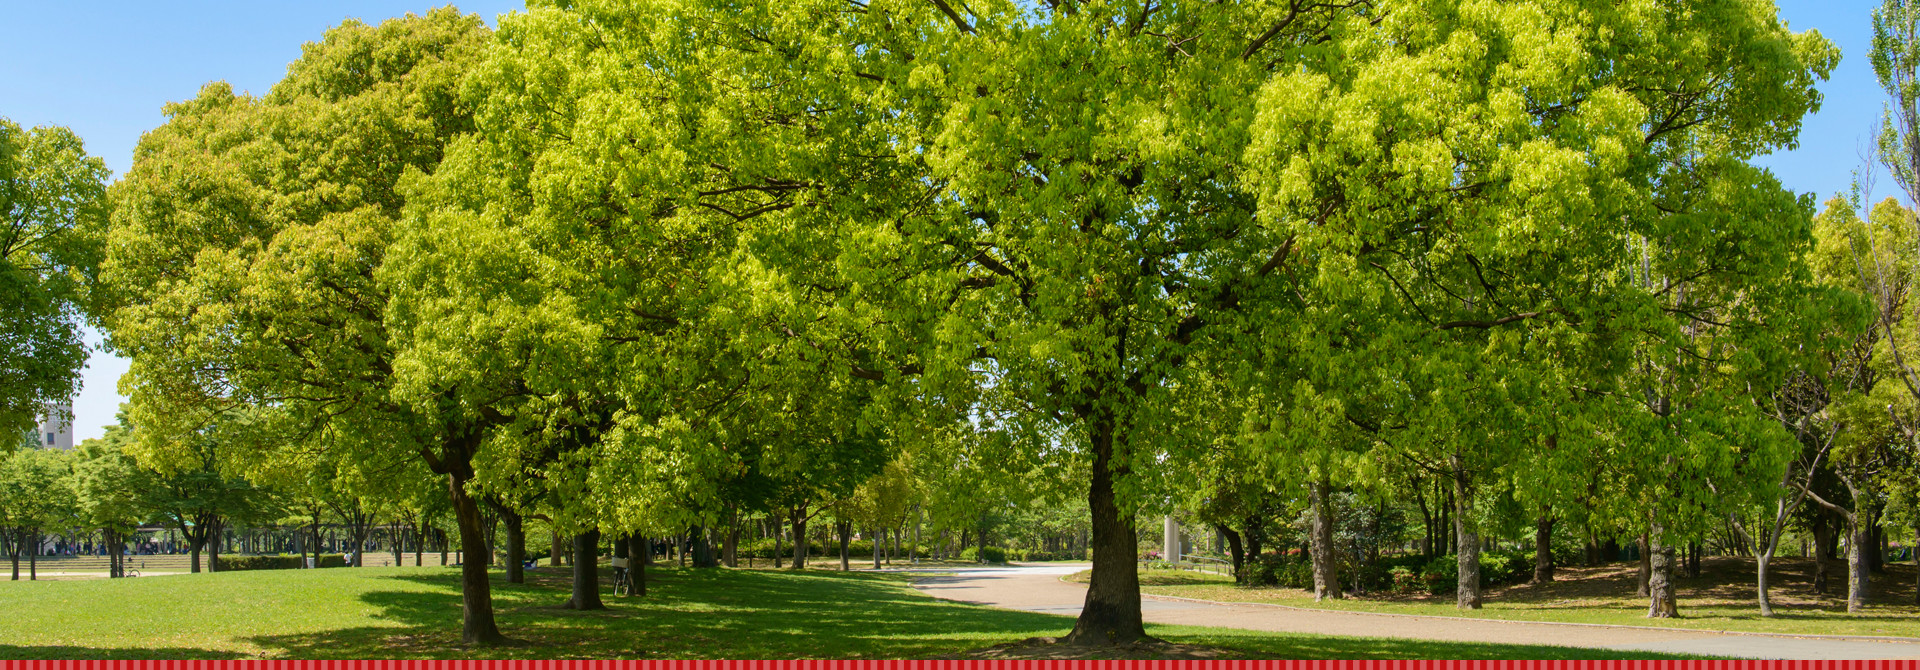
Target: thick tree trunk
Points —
{"points": [[215, 534], [1111, 614], [516, 546], [733, 545], [1543, 549], [558, 554], [800, 541], [1326, 572], [703, 556], [586, 572], [1467, 547], [1661, 603], [476, 591], [639, 554], [1238, 552]]}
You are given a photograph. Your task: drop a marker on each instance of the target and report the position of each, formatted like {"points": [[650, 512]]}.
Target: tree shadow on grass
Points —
{"points": [[687, 614], [56, 652], [702, 614]]}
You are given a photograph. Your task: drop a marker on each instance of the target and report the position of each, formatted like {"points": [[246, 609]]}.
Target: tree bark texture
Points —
{"points": [[1111, 614], [800, 541], [1326, 572], [1467, 550], [586, 572], [639, 554], [1543, 549], [476, 593], [516, 544], [1661, 603]]}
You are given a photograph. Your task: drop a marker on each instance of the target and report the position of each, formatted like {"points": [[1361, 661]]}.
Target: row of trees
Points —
{"points": [[641, 267]]}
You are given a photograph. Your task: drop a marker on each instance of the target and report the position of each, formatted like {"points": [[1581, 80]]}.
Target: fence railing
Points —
{"points": [[1191, 563]]}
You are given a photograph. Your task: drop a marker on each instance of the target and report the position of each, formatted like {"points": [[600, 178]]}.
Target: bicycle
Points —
{"points": [[129, 572], [622, 586]]}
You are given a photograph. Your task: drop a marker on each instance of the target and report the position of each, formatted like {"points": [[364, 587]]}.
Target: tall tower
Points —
{"points": [[56, 426]]}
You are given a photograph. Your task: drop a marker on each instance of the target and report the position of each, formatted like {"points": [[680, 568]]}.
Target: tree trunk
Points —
{"points": [[215, 533], [1543, 549], [845, 531], [639, 554], [516, 546], [1238, 552], [1111, 615], [879, 540], [1761, 562], [778, 535], [557, 554], [1660, 576], [800, 540], [476, 593], [1822, 530], [733, 544], [1467, 549], [586, 572], [1326, 573], [1859, 544], [702, 548], [1646, 568]]}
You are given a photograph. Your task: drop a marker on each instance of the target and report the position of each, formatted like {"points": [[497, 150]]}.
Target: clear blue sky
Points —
{"points": [[105, 68]]}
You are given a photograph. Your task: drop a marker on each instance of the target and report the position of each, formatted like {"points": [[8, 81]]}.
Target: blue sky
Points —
{"points": [[105, 68]]}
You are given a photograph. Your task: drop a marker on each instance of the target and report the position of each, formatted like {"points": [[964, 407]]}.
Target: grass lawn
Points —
{"points": [[409, 612], [1721, 598]]}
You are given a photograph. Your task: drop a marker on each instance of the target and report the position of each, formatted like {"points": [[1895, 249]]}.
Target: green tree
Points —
{"points": [[36, 494], [245, 247], [108, 486], [52, 206]]}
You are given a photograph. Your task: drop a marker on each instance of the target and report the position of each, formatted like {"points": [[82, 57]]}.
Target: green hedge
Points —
{"points": [[279, 562], [986, 554], [1405, 574]]}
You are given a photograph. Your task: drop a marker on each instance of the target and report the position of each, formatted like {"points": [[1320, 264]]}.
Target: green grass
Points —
{"points": [[414, 613], [1722, 598]]}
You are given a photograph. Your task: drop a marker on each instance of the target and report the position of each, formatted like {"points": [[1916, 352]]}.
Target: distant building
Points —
{"points": [[56, 426]]}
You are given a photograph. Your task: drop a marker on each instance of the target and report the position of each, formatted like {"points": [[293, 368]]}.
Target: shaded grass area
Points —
{"points": [[1721, 598], [415, 613]]}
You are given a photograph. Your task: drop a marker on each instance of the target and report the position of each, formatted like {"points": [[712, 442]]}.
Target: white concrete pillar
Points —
{"points": [[1171, 545]]}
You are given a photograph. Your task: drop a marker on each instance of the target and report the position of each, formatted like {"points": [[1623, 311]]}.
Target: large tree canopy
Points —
{"points": [[52, 207]]}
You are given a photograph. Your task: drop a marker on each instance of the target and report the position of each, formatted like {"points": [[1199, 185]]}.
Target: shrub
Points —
{"points": [[1442, 575], [275, 562], [1405, 580], [986, 555]]}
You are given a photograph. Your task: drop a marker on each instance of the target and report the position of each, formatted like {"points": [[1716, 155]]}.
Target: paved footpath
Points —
{"points": [[1039, 589]]}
